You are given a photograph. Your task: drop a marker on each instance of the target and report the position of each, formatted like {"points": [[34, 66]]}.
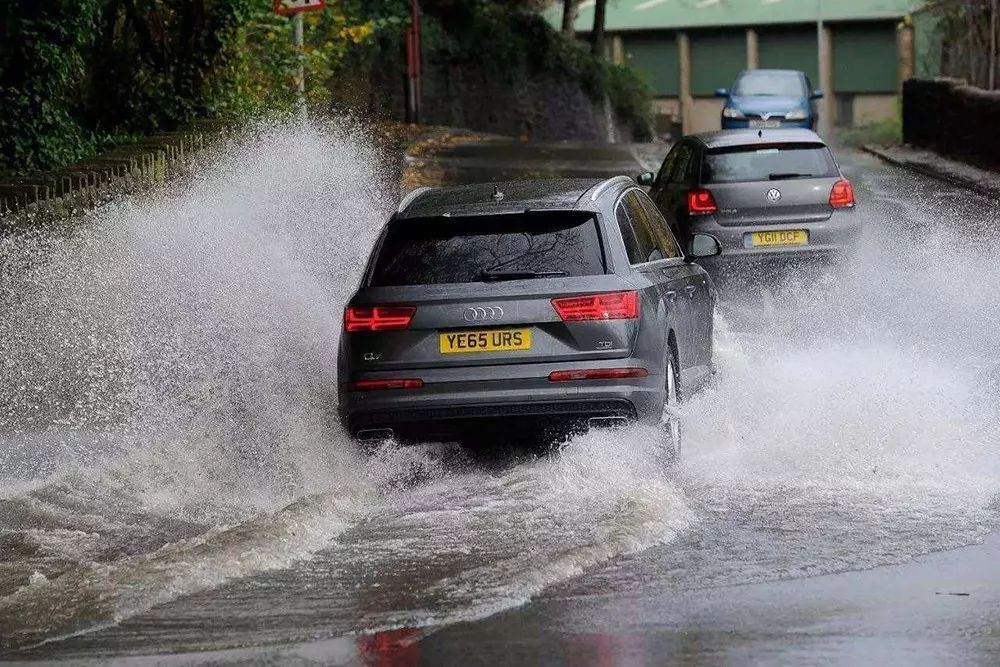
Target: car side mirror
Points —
{"points": [[722, 92], [702, 246], [646, 178], [816, 94]]}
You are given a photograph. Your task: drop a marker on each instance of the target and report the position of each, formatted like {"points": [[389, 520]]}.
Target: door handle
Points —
{"points": [[671, 295], [690, 289]]}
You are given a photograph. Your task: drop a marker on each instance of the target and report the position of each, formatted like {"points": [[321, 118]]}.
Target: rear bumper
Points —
{"points": [[744, 123], [835, 237], [496, 409]]}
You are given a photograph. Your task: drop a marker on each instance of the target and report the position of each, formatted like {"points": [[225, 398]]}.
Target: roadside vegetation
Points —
{"points": [[969, 39], [81, 76]]}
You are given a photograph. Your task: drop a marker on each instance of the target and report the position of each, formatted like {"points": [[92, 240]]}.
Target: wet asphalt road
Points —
{"points": [[838, 503]]}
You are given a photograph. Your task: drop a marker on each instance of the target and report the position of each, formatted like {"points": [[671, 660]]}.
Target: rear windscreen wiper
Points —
{"points": [[490, 276], [791, 174]]}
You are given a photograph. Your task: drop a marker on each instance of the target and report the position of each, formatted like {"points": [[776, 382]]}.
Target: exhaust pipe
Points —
{"points": [[607, 422], [370, 434]]}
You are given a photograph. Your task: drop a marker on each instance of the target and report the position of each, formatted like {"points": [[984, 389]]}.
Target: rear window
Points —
{"points": [[476, 248], [780, 84], [767, 163]]}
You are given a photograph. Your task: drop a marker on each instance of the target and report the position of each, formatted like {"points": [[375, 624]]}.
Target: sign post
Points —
{"points": [[295, 9]]}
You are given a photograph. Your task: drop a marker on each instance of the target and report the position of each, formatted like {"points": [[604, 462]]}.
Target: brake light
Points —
{"points": [[379, 385], [598, 374], [701, 202], [378, 318], [608, 306], [842, 194]]}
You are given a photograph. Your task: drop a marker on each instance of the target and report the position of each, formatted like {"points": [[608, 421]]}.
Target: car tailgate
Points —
{"points": [[792, 201]]}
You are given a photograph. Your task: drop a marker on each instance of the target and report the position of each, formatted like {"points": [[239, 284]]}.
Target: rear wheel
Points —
{"points": [[670, 421]]}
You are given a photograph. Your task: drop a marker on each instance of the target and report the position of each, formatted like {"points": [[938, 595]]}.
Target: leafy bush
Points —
{"points": [[41, 69], [80, 75]]}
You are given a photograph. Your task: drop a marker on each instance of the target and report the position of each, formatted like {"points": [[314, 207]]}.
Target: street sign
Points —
{"points": [[289, 7]]}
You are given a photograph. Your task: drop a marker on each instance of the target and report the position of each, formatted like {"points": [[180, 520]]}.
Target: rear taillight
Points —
{"points": [[701, 202], [597, 374], [608, 306], [378, 318], [842, 194], [378, 385]]}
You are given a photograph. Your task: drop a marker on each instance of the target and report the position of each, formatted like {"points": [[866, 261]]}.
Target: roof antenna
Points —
{"points": [[760, 134], [497, 195]]}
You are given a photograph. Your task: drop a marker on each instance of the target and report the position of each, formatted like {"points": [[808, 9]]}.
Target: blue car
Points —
{"points": [[769, 98]]}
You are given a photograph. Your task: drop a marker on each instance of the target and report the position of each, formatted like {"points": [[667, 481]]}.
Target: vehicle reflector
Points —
{"points": [[701, 202], [598, 374], [378, 318], [608, 306], [378, 385], [842, 194]]}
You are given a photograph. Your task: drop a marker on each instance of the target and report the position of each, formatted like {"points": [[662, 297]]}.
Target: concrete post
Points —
{"points": [[827, 106], [686, 99], [905, 45], [617, 50], [753, 49]]}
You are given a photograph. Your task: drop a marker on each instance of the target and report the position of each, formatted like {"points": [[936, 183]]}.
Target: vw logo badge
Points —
{"points": [[483, 313], [774, 195]]}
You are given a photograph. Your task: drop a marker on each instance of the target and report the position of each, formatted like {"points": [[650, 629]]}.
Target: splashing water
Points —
{"points": [[169, 410], [168, 362], [168, 423]]}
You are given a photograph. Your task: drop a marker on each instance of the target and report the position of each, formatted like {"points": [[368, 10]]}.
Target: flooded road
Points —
{"points": [[172, 480]]}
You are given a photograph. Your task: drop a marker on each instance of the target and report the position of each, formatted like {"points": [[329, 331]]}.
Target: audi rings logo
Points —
{"points": [[774, 195], [483, 314]]}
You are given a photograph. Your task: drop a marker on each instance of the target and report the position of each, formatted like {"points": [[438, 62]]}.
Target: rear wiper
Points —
{"points": [[791, 174], [490, 276]]}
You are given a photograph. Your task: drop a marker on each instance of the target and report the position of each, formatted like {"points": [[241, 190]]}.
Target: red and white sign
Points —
{"points": [[289, 7]]}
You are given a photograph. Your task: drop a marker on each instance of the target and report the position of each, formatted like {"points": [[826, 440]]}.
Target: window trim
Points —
{"points": [[666, 227], [647, 264]]}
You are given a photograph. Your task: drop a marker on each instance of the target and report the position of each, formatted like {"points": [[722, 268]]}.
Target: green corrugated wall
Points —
{"points": [[928, 46], [790, 48], [654, 56], [865, 58], [716, 59]]}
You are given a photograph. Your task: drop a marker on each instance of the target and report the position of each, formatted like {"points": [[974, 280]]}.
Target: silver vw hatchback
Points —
{"points": [[766, 195], [493, 312]]}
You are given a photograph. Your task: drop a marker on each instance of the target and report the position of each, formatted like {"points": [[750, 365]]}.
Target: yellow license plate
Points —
{"points": [[486, 340], [783, 237]]}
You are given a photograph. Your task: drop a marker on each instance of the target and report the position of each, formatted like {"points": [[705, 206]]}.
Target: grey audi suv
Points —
{"points": [[525, 308], [764, 194]]}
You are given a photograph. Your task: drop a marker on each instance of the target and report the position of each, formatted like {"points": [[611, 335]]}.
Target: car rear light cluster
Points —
{"points": [[607, 306], [380, 385], [842, 194], [598, 374], [701, 202], [378, 318]]}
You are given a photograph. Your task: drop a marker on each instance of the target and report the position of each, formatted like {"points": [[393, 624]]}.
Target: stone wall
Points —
{"points": [[541, 108], [952, 118]]}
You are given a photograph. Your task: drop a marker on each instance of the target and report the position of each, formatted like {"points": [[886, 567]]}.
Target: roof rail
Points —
{"points": [[601, 187], [411, 197]]}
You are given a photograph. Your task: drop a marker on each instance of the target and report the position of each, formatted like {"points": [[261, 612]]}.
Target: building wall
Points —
{"points": [[716, 58], [654, 56], [865, 68], [790, 47], [706, 116], [873, 108], [865, 58]]}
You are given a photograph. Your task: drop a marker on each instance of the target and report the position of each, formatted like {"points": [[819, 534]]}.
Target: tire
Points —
{"points": [[670, 420]]}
